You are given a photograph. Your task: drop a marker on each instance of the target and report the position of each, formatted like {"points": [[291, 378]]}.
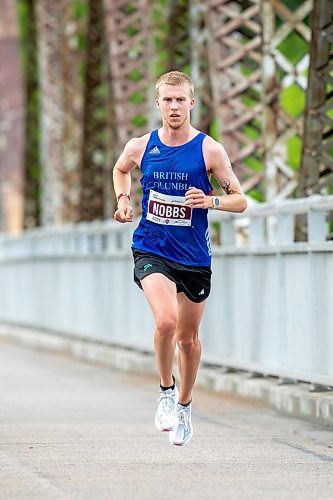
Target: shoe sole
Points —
{"points": [[166, 429], [189, 437]]}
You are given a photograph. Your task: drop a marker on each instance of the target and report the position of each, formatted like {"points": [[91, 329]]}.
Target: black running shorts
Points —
{"points": [[194, 281]]}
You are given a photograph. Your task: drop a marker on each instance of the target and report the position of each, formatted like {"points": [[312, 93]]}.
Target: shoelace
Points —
{"points": [[181, 418], [166, 401]]}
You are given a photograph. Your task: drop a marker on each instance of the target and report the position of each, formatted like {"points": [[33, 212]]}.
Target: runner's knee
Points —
{"points": [[186, 345], [166, 327]]}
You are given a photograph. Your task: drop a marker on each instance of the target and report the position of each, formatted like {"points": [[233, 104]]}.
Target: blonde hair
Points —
{"points": [[175, 78]]}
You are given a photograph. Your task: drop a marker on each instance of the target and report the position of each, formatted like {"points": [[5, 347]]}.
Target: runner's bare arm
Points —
{"points": [[218, 164], [127, 161]]}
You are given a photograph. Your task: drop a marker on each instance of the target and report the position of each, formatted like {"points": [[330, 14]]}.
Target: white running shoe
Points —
{"points": [[184, 431], [166, 414]]}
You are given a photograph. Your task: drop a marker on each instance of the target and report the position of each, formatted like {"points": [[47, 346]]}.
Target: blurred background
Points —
{"points": [[77, 81]]}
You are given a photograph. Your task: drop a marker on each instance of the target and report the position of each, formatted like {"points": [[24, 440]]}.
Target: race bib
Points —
{"points": [[166, 209]]}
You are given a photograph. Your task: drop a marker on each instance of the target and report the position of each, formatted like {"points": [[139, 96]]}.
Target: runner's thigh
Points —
{"points": [[189, 315], [161, 294]]}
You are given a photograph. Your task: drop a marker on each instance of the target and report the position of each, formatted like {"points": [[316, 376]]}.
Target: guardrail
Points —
{"points": [[270, 310]]}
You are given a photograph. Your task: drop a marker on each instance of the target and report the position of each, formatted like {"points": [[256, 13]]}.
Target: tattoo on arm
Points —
{"points": [[225, 184]]}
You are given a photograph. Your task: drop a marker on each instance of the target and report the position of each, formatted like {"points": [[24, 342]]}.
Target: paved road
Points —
{"points": [[70, 430]]}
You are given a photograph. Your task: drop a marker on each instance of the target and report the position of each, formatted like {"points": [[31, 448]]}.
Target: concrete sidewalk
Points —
{"points": [[71, 430]]}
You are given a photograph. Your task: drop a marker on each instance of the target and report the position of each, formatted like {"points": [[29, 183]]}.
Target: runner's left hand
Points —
{"points": [[196, 198]]}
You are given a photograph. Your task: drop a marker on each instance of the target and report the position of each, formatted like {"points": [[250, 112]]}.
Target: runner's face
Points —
{"points": [[175, 103]]}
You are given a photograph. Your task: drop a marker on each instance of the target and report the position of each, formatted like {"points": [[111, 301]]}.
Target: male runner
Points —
{"points": [[171, 246]]}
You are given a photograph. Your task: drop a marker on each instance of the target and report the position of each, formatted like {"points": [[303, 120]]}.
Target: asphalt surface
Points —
{"points": [[70, 430]]}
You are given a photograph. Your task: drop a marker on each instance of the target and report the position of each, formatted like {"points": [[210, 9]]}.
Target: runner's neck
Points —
{"points": [[177, 137]]}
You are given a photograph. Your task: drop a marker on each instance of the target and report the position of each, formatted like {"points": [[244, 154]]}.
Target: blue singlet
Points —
{"points": [[166, 227]]}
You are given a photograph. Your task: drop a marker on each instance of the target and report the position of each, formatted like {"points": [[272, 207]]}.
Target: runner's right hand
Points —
{"points": [[124, 213]]}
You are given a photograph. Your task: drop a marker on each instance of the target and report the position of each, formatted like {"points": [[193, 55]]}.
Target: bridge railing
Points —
{"points": [[270, 309], [275, 223]]}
